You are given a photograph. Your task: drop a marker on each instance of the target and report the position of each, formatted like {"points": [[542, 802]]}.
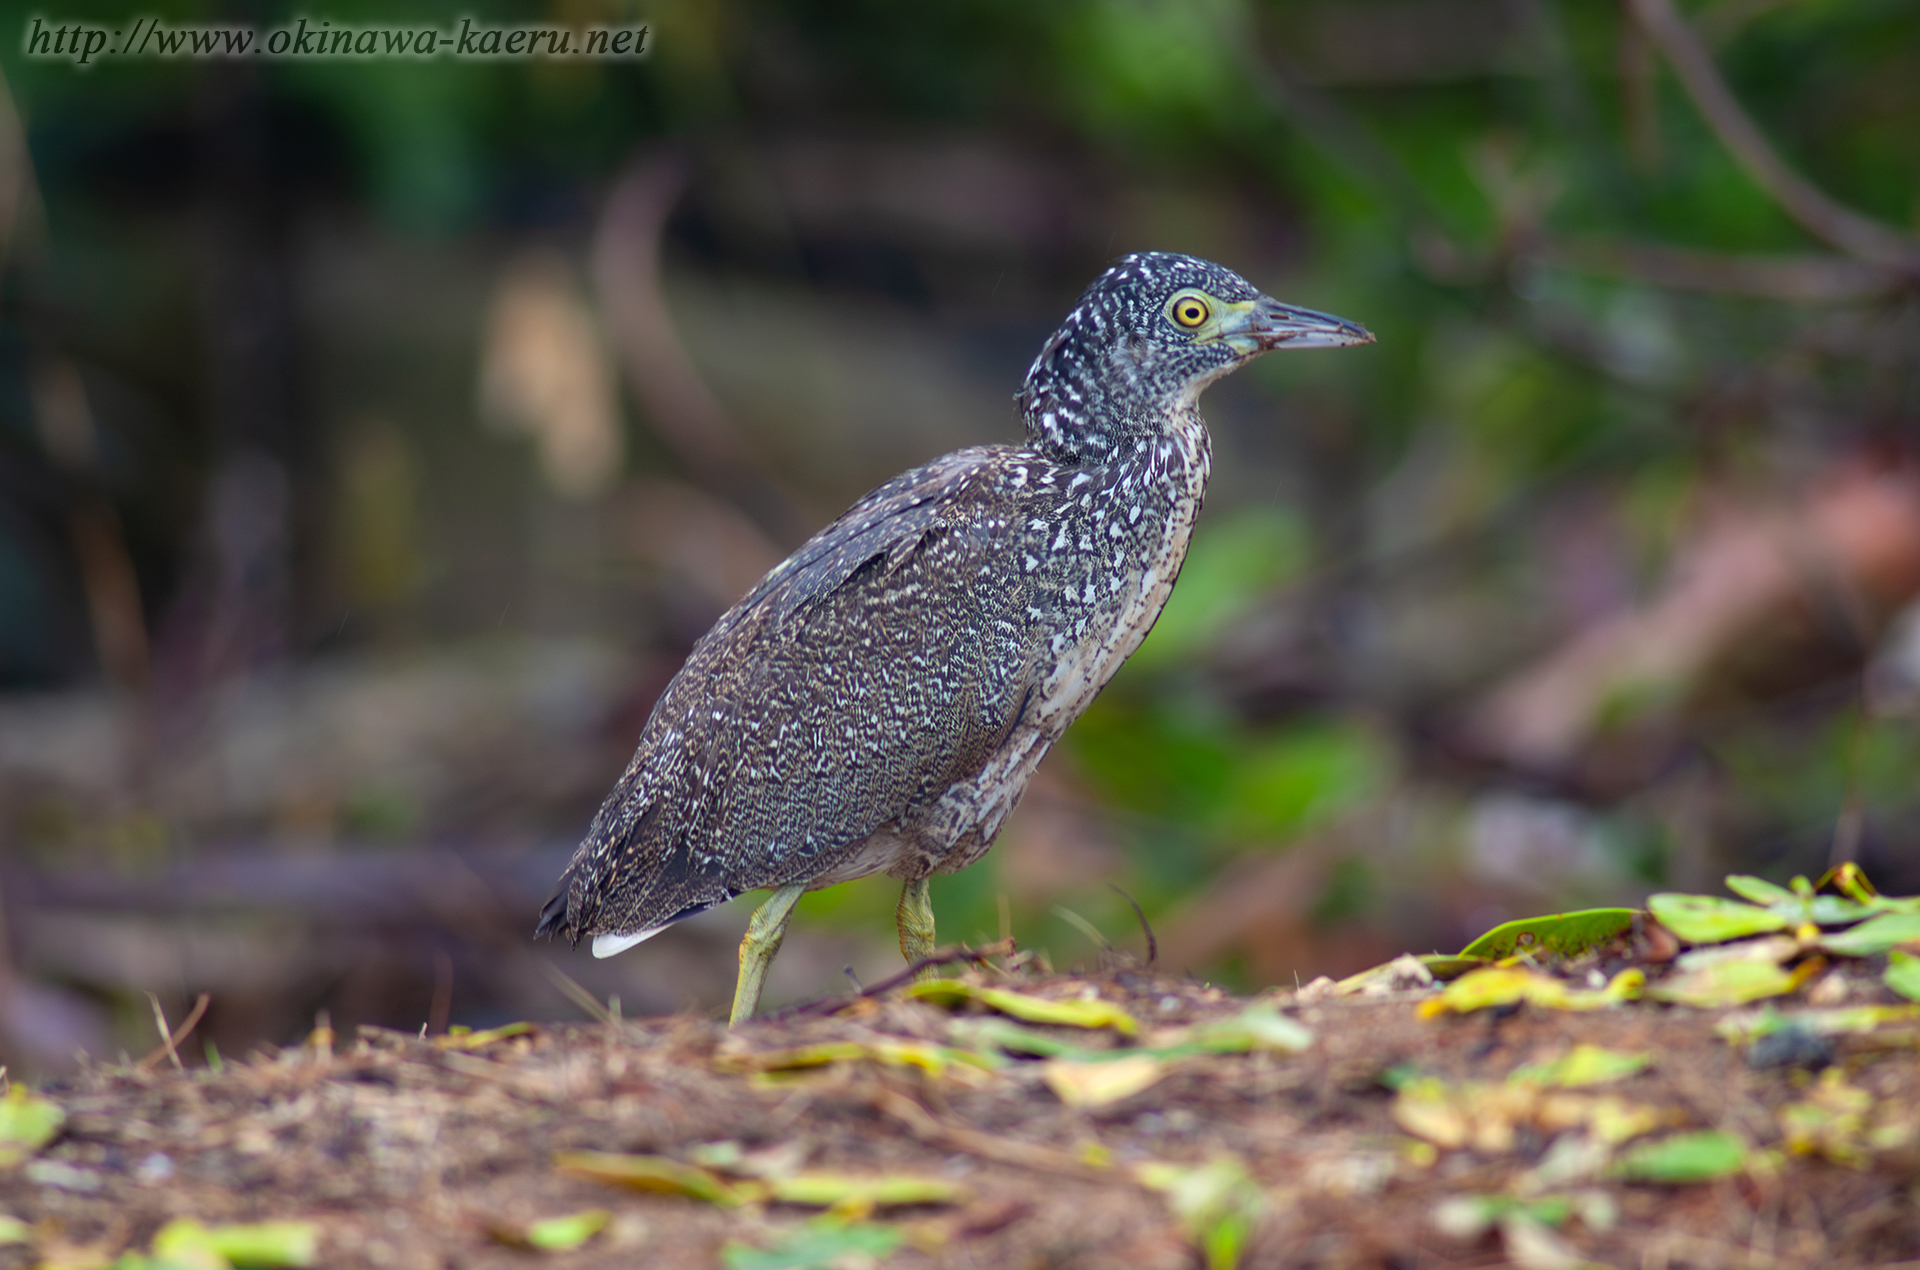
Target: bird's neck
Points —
{"points": [[1070, 434], [1094, 410], [1172, 453]]}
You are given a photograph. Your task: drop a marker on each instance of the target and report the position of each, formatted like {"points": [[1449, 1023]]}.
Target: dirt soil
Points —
{"points": [[409, 1151]]}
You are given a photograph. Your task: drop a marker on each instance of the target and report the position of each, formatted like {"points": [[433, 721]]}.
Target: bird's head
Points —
{"points": [[1147, 336]]}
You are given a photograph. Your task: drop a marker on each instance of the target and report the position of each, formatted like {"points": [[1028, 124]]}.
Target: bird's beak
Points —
{"points": [[1255, 326]]}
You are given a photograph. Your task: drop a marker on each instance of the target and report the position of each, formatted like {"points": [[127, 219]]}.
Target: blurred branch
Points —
{"points": [[1720, 22], [1857, 536], [1259, 908], [1802, 279], [679, 405], [107, 577], [1326, 125], [708, 544], [1332, 130], [1639, 102], [1563, 88], [17, 193], [1818, 214]]}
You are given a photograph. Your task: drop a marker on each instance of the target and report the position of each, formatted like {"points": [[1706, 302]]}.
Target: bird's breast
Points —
{"points": [[1112, 550]]}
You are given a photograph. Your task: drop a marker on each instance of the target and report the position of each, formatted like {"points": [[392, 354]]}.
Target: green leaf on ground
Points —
{"points": [[559, 1234], [1444, 968], [997, 1036], [1831, 910], [27, 1123], [1217, 1202], [267, 1245], [1903, 974], [1759, 890], [1875, 935], [860, 1193], [1852, 1020], [1685, 1157], [1567, 934], [1584, 1065], [1259, 1026], [815, 1246], [1085, 1077], [1708, 919], [1471, 1216]]}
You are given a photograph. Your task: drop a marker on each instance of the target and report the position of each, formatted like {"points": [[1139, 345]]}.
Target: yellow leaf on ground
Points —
{"points": [[1584, 1065], [855, 1195], [1725, 983], [651, 1173], [457, 1040], [1831, 1121], [938, 1060], [1500, 986], [1097, 1084], [1072, 1012], [1772, 949], [1485, 1117]]}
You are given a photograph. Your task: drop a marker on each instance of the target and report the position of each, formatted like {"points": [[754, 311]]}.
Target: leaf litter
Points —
{"points": [[1713, 1081]]}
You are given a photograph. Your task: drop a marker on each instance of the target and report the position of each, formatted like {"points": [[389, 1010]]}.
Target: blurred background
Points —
{"points": [[376, 437]]}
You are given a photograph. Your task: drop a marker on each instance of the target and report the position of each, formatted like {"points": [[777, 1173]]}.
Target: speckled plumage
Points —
{"points": [[879, 702]]}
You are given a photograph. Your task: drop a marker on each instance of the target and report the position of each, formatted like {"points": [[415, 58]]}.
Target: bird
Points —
{"points": [[880, 700]]}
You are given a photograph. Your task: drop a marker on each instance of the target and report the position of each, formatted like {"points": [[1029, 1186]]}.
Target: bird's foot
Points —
{"points": [[764, 933], [915, 917]]}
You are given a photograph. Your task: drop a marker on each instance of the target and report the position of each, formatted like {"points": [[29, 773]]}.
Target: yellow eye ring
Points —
{"points": [[1191, 311]]}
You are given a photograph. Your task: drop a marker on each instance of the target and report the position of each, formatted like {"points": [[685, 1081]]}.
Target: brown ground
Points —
{"points": [[408, 1153]]}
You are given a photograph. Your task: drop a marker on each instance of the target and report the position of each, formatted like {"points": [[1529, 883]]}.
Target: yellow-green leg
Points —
{"points": [[915, 916], [764, 933]]}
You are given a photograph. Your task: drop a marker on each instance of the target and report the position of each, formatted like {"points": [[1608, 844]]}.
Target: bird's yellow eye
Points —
{"points": [[1191, 311]]}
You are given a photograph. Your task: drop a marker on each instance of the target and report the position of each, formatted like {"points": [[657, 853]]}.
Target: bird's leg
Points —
{"points": [[764, 933], [915, 916]]}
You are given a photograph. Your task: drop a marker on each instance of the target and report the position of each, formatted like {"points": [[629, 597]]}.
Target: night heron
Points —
{"points": [[879, 701]]}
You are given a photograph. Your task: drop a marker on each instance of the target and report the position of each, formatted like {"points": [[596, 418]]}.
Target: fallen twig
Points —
{"points": [[1153, 945], [680, 406], [567, 984], [169, 1039]]}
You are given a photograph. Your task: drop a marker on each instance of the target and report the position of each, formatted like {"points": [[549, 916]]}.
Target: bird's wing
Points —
{"points": [[699, 801], [890, 522]]}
